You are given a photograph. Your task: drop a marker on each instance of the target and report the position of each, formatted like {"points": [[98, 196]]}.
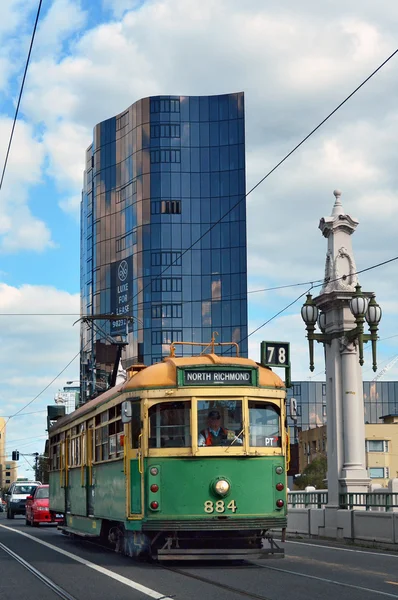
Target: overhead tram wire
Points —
{"points": [[269, 320], [269, 172], [315, 283], [238, 296], [221, 218], [239, 201], [20, 93], [40, 393]]}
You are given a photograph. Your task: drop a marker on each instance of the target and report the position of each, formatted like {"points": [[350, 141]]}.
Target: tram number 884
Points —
{"points": [[219, 506]]}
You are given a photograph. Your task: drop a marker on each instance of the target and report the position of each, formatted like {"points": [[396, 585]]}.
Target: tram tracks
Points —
{"points": [[223, 586], [60, 592]]}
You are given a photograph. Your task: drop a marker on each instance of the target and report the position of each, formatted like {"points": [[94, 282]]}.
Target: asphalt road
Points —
{"points": [[84, 571]]}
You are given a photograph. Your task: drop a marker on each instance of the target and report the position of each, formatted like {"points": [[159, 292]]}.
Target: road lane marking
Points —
{"points": [[129, 582], [324, 580], [342, 549]]}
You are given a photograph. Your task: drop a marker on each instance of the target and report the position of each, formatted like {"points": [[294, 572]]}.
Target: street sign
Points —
{"points": [[276, 354]]}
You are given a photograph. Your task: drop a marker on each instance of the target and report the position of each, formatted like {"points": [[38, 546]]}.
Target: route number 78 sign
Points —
{"points": [[276, 354]]}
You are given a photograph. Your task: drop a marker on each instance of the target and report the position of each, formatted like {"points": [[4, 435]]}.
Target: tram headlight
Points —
{"points": [[221, 487], [279, 470]]}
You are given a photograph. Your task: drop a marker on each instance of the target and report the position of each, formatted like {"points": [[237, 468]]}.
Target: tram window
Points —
{"points": [[264, 424], [170, 425], [220, 423], [135, 423]]}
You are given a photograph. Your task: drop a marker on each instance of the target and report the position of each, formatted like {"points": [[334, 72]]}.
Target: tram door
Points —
{"points": [[133, 453]]}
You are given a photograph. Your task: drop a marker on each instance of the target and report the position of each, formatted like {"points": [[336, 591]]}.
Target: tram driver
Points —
{"points": [[215, 434]]}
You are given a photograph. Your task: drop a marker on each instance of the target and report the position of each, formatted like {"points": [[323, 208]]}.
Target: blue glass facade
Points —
{"points": [[157, 177], [380, 399]]}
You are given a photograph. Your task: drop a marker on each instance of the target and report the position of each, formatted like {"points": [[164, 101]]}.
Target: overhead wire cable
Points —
{"points": [[231, 209], [269, 172], [269, 320], [20, 94], [42, 391], [315, 283]]}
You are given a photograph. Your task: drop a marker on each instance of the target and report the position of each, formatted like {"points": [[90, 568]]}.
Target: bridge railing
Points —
{"points": [[376, 501], [373, 501], [316, 499]]}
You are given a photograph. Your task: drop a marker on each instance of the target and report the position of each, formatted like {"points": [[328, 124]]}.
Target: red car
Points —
{"points": [[38, 508]]}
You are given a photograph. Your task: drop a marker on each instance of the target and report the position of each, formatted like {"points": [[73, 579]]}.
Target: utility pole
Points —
{"points": [[36, 455]]}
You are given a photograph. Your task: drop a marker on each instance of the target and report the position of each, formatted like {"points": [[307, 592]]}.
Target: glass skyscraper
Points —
{"points": [[158, 177]]}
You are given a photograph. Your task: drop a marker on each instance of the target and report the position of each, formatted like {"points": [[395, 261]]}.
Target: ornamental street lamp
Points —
{"points": [[340, 312], [362, 306]]}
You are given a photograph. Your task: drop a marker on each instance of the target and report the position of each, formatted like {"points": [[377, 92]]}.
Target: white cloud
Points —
{"points": [[19, 228], [71, 206], [33, 350], [63, 19], [119, 7], [66, 145]]}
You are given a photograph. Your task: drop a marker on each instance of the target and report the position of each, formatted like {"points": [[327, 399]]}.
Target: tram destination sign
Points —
{"points": [[218, 376]]}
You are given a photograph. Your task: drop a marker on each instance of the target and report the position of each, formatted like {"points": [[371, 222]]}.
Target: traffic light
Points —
{"points": [[15, 455]]}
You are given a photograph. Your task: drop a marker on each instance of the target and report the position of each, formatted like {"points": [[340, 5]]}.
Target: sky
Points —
{"points": [[295, 62]]}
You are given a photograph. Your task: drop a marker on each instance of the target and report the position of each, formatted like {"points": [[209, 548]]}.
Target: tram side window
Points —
{"points": [[170, 425], [264, 424], [55, 457], [220, 423]]}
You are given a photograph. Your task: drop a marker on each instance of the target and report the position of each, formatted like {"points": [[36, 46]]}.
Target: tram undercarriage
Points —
{"points": [[196, 545]]}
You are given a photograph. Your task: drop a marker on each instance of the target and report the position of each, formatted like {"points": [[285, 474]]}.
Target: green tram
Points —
{"points": [[187, 459]]}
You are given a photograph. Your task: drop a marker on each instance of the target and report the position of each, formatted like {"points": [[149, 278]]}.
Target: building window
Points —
{"points": [[126, 191], [323, 410], [167, 311], [165, 105], [165, 259], [166, 207], [376, 446], [297, 389], [122, 121], [323, 389], [166, 336], [171, 207], [171, 130], [167, 284], [165, 156], [126, 241], [378, 472], [8, 474]]}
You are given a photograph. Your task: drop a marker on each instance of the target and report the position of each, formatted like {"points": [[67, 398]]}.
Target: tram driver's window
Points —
{"points": [[264, 425], [170, 425], [220, 423]]}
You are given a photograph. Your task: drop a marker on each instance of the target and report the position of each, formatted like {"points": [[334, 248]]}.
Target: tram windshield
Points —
{"points": [[169, 425], [220, 423], [264, 422]]}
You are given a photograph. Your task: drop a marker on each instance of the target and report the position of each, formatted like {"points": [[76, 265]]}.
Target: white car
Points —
{"points": [[16, 497]]}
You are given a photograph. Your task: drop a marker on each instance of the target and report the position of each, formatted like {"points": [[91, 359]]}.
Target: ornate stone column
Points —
{"points": [[344, 389]]}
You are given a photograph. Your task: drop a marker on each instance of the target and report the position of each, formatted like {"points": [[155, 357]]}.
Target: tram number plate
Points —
{"points": [[219, 506]]}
